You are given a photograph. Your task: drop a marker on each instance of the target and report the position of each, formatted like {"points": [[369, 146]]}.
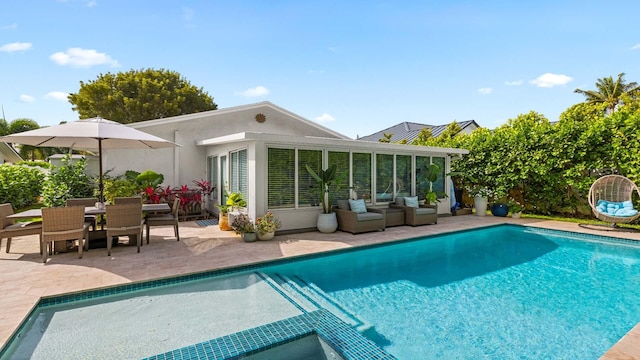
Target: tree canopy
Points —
{"points": [[139, 95], [610, 92]]}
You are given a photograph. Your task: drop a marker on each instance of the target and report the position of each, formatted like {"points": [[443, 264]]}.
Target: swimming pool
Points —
{"points": [[500, 292]]}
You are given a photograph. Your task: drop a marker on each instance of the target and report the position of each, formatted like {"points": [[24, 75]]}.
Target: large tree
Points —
{"points": [[610, 92], [139, 95]]}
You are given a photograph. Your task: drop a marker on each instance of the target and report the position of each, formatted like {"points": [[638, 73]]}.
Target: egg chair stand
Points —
{"points": [[613, 189]]}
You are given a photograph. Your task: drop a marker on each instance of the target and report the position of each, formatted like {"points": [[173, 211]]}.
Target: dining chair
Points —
{"points": [[86, 202], [9, 229], [124, 220], [127, 200], [165, 219], [62, 224]]}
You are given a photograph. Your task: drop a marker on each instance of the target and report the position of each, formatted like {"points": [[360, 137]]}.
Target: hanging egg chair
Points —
{"points": [[611, 199]]}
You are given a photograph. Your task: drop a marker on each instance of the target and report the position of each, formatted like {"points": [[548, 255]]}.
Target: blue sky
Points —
{"points": [[354, 66]]}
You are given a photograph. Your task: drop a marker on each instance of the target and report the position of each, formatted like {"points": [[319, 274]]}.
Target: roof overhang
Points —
{"points": [[328, 142]]}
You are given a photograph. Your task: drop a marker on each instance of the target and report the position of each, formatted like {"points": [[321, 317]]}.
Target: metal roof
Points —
{"points": [[410, 130]]}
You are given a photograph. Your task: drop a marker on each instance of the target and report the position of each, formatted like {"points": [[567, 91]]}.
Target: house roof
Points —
{"points": [[410, 130], [223, 111], [9, 154]]}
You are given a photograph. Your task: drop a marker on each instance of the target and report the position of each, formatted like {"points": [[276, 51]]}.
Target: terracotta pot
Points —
{"points": [[223, 222]]}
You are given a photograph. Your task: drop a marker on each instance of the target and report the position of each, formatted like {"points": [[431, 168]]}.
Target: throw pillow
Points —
{"points": [[400, 200], [411, 201], [358, 206]]}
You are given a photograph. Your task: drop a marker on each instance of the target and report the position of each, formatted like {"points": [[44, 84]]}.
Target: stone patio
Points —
{"points": [[24, 278]]}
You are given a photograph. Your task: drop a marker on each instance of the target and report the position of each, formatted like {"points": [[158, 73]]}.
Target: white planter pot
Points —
{"points": [[327, 223], [480, 204], [516, 215]]}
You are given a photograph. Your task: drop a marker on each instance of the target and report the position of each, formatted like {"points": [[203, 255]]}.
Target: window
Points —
{"points": [[384, 178], [238, 179], [362, 176], [403, 175], [308, 192], [212, 176], [422, 185], [438, 185], [281, 178], [224, 179], [340, 188]]}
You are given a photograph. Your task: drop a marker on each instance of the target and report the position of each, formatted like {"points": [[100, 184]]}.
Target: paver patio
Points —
{"points": [[24, 279]]}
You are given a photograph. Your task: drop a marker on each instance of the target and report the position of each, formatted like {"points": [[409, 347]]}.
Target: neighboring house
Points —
{"points": [[261, 151], [92, 167], [8, 154], [410, 130]]}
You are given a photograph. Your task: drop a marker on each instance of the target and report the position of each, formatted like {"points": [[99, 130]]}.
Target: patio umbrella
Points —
{"points": [[94, 133]]}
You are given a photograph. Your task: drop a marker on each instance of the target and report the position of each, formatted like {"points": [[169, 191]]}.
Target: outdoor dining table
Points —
{"points": [[91, 210]]}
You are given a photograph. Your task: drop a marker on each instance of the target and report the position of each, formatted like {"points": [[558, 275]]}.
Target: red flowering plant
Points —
{"points": [[156, 195]]}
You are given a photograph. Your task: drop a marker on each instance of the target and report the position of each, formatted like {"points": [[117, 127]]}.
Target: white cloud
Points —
{"points": [[10, 26], [27, 98], [513, 83], [549, 80], [82, 58], [256, 92], [636, 47], [325, 118], [57, 95], [92, 3], [17, 46], [485, 90]]}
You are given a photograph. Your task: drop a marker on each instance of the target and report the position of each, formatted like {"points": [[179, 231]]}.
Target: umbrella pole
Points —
{"points": [[100, 184]]}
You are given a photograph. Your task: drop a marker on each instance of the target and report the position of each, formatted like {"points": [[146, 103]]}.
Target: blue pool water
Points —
{"points": [[502, 293]]}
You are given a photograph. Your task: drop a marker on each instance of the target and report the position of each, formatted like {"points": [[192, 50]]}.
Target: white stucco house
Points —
{"points": [[261, 150]]}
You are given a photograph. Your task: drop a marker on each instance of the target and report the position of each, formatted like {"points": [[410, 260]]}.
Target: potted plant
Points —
{"points": [[499, 206], [481, 195], [516, 208], [223, 218], [267, 225], [235, 202], [243, 226], [431, 176], [327, 221]]}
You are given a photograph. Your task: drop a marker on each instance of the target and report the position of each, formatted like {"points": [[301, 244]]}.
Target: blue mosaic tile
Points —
{"points": [[345, 340]]}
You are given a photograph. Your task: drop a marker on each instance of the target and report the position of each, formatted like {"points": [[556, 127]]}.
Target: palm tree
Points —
{"points": [[610, 92]]}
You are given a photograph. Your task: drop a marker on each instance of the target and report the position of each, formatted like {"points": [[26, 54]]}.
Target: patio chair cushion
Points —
{"points": [[369, 216], [424, 211], [400, 201], [411, 201], [343, 205], [358, 206]]}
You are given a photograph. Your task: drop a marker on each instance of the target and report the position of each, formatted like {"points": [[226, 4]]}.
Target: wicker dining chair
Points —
{"points": [[9, 229], [62, 224], [86, 202], [124, 220], [166, 219]]}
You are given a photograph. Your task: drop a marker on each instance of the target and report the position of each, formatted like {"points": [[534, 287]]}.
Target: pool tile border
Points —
{"points": [[143, 285], [340, 336]]}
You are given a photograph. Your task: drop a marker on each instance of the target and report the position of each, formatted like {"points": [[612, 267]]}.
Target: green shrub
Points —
{"points": [[119, 187], [66, 181], [20, 185]]}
